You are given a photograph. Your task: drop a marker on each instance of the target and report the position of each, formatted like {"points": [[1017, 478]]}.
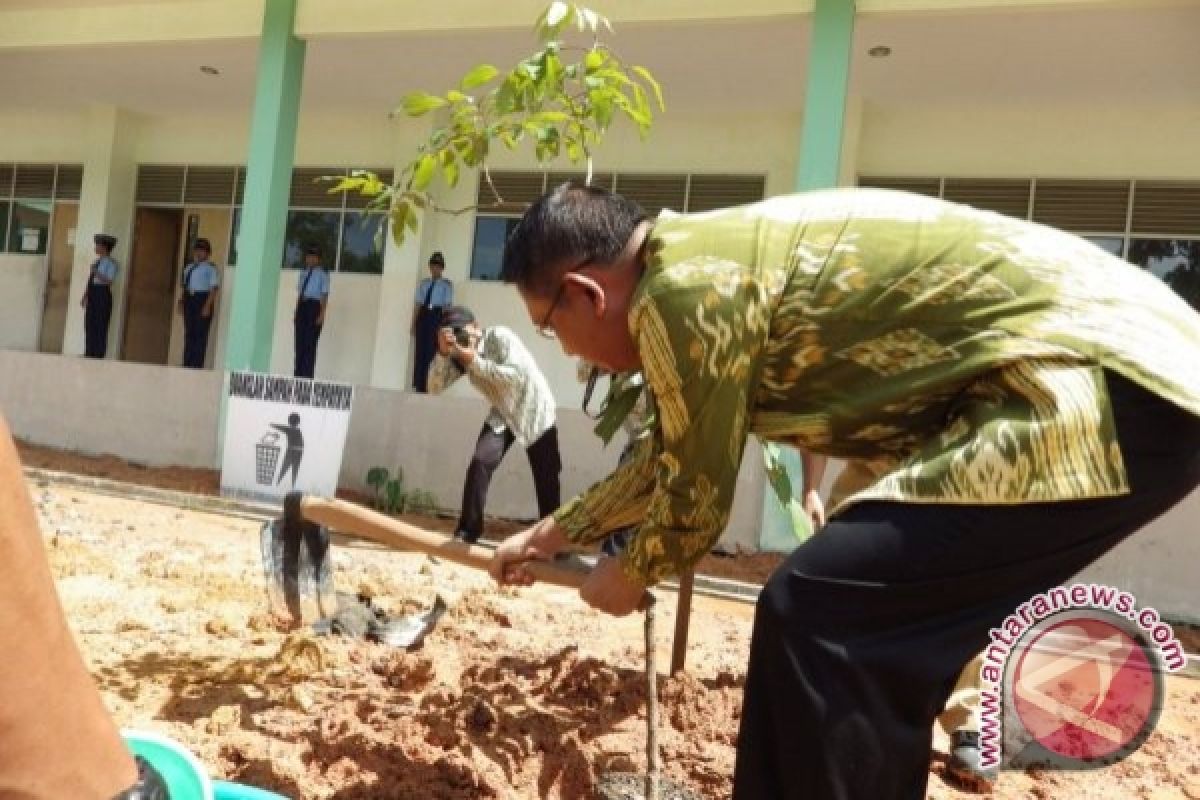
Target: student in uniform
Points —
{"points": [[201, 285], [97, 298], [434, 295], [312, 296]]}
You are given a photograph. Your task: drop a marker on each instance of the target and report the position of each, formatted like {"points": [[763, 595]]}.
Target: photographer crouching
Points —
{"points": [[503, 370]]}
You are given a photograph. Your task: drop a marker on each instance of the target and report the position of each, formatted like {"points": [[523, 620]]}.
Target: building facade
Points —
{"points": [[161, 120]]}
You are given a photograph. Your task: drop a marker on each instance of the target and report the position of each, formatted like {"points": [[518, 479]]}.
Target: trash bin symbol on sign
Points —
{"points": [[267, 452]]}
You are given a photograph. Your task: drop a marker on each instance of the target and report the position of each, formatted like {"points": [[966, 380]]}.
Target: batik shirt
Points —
{"points": [[504, 372], [950, 355]]}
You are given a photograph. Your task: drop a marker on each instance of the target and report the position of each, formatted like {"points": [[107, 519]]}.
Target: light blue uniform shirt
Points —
{"points": [[316, 287], [201, 277], [440, 296], [106, 269]]}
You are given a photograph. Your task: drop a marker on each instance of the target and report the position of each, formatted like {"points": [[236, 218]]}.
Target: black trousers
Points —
{"points": [[307, 334], [425, 345], [195, 329], [860, 634], [490, 448], [95, 320]]}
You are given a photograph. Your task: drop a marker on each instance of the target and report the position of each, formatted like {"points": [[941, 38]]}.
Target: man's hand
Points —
{"points": [[539, 543], [206, 312], [607, 589], [815, 508], [449, 347]]}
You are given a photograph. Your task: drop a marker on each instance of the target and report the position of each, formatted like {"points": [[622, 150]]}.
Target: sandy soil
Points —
{"points": [[752, 568], [515, 694]]}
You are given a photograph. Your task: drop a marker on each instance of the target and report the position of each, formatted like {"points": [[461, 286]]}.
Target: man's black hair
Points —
{"points": [[571, 222]]}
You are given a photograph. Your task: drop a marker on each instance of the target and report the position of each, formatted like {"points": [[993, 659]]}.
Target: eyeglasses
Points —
{"points": [[543, 327]]}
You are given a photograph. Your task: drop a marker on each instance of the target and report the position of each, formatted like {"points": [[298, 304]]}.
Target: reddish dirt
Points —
{"points": [[748, 567], [516, 694]]}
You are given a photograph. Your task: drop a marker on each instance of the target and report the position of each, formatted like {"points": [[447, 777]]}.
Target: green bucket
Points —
{"points": [[184, 775]]}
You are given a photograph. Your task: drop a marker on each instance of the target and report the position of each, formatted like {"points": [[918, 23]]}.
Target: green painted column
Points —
{"points": [[825, 95], [268, 177], [820, 158]]}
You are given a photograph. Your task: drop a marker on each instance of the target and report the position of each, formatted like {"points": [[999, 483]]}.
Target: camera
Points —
{"points": [[462, 336]]}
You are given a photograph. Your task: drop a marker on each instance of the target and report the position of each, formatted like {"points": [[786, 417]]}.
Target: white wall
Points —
{"points": [[151, 415], [168, 416], [24, 280]]}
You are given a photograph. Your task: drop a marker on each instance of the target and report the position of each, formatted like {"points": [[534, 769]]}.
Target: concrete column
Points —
{"points": [[105, 206], [268, 176], [823, 139], [822, 130]]}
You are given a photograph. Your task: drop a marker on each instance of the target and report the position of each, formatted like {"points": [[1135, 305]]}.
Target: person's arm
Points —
{"points": [[443, 370], [703, 390], [47, 695], [214, 289], [813, 466], [324, 300]]}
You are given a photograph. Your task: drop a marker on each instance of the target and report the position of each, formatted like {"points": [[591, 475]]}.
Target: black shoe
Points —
{"points": [[964, 767], [464, 536], [150, 784]]}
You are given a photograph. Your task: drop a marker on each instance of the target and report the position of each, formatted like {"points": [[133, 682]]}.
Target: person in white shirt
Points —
{"points": [[498, 364]]}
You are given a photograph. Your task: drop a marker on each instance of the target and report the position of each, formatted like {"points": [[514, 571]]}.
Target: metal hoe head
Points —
{"points": [[298, 565]]}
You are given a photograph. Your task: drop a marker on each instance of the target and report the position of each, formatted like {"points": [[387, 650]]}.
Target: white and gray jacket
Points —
{"points": [[505, 373]]}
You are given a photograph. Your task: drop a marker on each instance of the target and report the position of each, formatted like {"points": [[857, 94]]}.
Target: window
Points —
{"points": [[30, 227], [1113, 244], [1154, 224], [1176, 261], [362, 242], [653, 192], [27, 195], [487, 252], [311, 227], [350, 239]]}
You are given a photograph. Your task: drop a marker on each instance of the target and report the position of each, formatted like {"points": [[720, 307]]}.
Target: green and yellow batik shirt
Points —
{"points": [[950, 355]]}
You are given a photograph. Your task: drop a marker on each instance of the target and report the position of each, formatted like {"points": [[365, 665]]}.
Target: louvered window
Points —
{"points": [[654, 192], [708, 192], [516, 189], [34, 181], [931, 187], [601, 180], [1081, 206], [1009, 197], [69, 182], [1166, 207], [310, 191], [209, 185], [159, 184]]}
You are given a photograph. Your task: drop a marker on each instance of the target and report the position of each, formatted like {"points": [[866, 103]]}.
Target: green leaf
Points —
{"points": [[423, 173], [478, 76], [593, 60], [456, 97], [377, 476], [450, 172], [645, 75], [419, 103]]}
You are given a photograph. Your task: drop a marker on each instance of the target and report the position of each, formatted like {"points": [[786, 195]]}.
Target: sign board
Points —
{"points": [[283, 434]]}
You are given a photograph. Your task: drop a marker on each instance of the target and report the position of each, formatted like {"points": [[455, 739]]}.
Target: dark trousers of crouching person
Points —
{"points": [[490, 449], [860, 634]]}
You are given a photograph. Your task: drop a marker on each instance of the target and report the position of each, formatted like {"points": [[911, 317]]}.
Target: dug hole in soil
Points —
{"points": [[516, 694]]}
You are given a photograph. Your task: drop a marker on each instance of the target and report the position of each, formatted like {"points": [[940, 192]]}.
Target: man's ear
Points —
{"points": [[592, 288]]}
